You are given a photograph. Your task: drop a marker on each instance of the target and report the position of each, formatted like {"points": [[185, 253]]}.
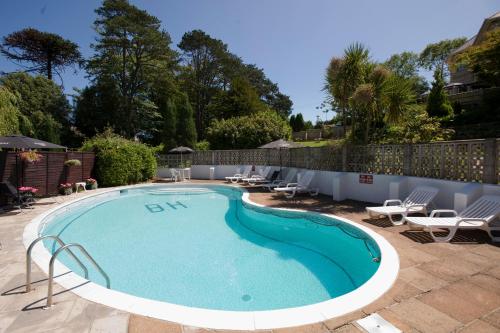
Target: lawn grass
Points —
{"points": [[315, 143]]}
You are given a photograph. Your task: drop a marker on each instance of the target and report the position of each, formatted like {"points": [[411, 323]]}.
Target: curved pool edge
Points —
{"points": [[370, 291]]}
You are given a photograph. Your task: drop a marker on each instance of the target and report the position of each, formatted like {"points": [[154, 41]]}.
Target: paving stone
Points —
{"points": [[111, 324], [421, 279], [396, 321], [494, 272], [451, 269], [493, 318], [463, 310], [348, 329], [489, 251], [479, 326], [139, 324], [192, 329], [486, 300], [314, 328], [486, 282], [343, 320], [424, 317]]}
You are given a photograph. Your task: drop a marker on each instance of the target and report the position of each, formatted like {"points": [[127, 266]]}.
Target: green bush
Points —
{"points": [[202, 145], [248, 131], [120, 161]]}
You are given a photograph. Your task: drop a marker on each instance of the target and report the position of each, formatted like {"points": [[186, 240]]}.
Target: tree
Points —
{"points": [[437, 103], [241, 99], [186, 128], [406, 66], [43, 104], [9, 112], [249, 131], [297, 122], [434, 55], [484, 58], [131, 52], [44, 52]]}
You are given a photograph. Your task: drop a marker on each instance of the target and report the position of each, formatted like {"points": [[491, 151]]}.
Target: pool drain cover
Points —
{"points": [[246, 298]]}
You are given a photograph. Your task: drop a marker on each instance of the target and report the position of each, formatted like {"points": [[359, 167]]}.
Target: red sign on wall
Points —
{"points": [[366, 179]]}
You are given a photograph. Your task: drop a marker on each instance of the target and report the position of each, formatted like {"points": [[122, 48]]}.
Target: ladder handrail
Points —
{"points": [[51, 268], [28, 258]]}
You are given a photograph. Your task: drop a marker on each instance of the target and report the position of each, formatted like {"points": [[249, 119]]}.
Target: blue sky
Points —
{"points": [[292, 40]]}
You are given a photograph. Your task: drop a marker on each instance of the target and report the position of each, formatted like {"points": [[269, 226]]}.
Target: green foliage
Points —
{"points": [[131, 53], [211, 70], [186, 131], [43, 105], [484, 59], [73, 162], [297, 122], [202, 145], [45, 52], [120, 161], [9, 113], [434, 55], [417, 127], [240, 100], [249, 131], [438, 104], [406, 65]]}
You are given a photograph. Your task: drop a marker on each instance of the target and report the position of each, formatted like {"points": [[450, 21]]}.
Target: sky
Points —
{"points": [[292, 40]]}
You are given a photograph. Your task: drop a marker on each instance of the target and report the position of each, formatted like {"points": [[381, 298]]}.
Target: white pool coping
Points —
{"points": [[371, 290]]}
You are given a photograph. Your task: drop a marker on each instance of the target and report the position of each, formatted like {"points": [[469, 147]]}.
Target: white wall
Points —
{"points": [[346, 185]]}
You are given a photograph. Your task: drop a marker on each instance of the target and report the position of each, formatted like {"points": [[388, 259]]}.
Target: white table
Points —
{"points": [[81, 184], [184, 173]]}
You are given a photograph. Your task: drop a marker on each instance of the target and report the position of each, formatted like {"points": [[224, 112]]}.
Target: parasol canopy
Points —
{"points": [[24, 142], [181, 150]]}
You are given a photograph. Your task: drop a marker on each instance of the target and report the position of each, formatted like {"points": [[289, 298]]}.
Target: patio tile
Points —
{"points": [[424, 317], [348, 329], [489, 251], [463, 310], [478, 326], [139, 324], [421, 279], [493, 318], [112, 324], [494, 272], [485, 299], [451, 269], [314, 328], [343, 320], [486, 282], [402, 290], [395, 320], [192, 329]]}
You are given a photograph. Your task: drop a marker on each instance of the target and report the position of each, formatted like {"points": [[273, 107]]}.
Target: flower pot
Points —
{"points": [[66, 191], [92, 186]]}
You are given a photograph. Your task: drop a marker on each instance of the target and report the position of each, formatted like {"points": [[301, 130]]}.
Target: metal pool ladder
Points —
{"points": [[64, 247]]}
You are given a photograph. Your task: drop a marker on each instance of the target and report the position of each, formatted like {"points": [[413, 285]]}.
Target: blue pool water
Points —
{"points": [[204, 247]]}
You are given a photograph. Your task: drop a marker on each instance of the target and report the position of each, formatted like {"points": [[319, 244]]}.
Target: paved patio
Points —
{"points": [[441, 287]]}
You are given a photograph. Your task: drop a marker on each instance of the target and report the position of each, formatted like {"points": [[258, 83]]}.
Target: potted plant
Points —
{"points": [[70, 163], [66, 188], [91, 184], [27, 191], [30, 156]]}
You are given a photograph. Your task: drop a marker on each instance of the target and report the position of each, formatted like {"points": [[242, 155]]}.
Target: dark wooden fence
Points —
{"points": [[466, 160], [49, 172]]}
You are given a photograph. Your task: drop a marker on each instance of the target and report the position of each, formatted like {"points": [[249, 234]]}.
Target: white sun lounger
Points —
{"points": [[302, 186], [290, 176], [261, 176], [416, 202], [479, 215], [239, 176]]}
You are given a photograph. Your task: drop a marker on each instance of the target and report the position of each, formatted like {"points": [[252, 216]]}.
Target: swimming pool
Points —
{"points": [[209, 249]]}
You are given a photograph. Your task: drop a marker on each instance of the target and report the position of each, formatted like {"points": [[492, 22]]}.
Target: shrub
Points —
{"points": [[248, 131], [70, 163], [202, 145], [120, 161]]}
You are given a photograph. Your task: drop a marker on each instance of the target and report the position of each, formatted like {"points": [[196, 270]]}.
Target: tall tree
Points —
{"points": [[438, 104], [186, 130], [406, 66], [297, 122], [41, 52], [434, 55], [484, 59], [131, 51]]}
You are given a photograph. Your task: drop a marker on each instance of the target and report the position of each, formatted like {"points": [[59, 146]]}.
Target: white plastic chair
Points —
{"points": [[302, 186], [479, 215], [416, 202], [290, 176], [239, 176]]}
